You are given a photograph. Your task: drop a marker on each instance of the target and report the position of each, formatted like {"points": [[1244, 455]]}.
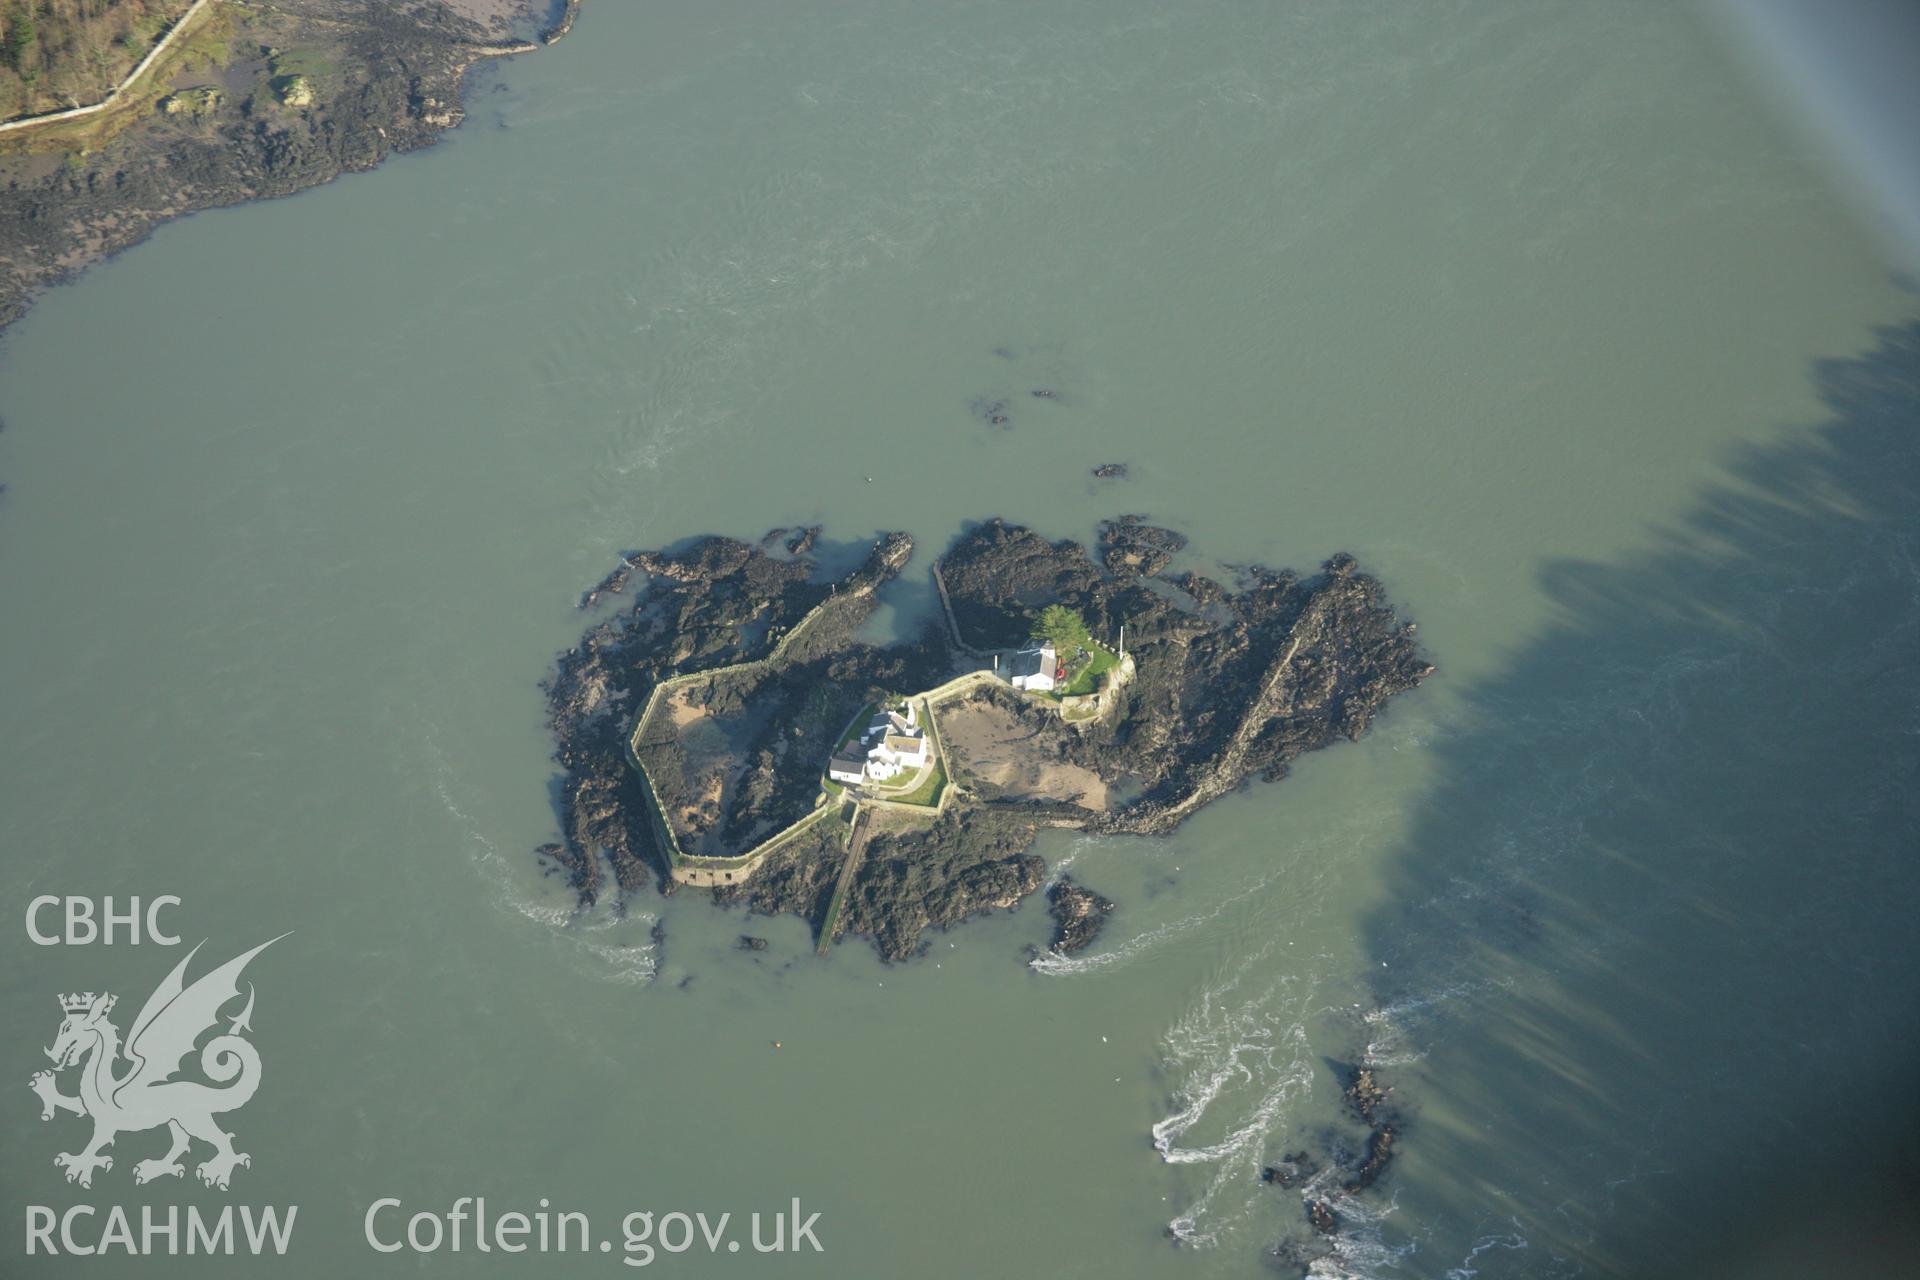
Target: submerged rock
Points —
{"points": [[991, 410], [1294, 1168], [1379, 1152]]}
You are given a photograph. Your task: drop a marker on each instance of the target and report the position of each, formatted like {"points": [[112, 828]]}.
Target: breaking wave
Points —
{"points": [[1055, 965], [1240, 1054]]}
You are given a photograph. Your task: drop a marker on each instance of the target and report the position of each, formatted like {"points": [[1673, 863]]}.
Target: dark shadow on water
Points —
{"points": [[1655, 928], [909, 606], [835, 558]]}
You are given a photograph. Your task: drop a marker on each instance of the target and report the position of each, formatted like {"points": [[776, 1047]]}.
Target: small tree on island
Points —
{"points": [[1062, 628]]}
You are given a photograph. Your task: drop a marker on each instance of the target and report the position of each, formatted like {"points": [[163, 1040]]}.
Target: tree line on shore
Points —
{"points": [[56, 54]]}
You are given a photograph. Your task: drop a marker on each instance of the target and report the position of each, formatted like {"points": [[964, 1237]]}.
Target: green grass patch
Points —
{"points": [[827, 921], [857, 727], [928, 792], [1087, 678], [209, 47], [302, 62]]}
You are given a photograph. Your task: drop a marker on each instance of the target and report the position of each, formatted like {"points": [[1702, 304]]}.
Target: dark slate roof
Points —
{"points": [[1034, 661]]}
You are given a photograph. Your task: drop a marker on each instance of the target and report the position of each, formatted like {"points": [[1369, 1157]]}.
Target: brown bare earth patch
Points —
{"points": [[682, 710], [494, 16], [1014, 756], [701, 766]]}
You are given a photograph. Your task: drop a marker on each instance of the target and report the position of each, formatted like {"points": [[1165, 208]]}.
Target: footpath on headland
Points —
{"points": [[849, 866], [174, 33]]}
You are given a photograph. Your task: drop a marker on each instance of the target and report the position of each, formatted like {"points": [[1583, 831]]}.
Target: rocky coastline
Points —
{"points": [[259, 101], [1229, 681]]}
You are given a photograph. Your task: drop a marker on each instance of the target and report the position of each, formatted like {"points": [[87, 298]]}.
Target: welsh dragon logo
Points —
{"points": [[145, 1095]]}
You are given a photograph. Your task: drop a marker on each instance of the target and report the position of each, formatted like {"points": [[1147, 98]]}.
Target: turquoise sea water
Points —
{"points": [[1535, 308]]}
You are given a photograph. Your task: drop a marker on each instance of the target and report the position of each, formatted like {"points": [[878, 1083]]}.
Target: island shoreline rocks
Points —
{"points": [[749, 660], [1078, 915]]}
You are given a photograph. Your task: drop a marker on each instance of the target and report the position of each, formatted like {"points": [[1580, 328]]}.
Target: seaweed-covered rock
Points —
{"points": [[711, 603], [1232, 681], [1130, 546], [1364, 1096], [1379, 1152], [1078, 915], [969, 861], [796, 879]]}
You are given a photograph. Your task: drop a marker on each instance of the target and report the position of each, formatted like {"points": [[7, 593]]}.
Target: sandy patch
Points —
{"points": [[494, 15], [680, 708]]}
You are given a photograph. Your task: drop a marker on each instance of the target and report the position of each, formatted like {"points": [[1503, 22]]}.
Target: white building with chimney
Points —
{"points": [[894, 743], [1036, 667]]}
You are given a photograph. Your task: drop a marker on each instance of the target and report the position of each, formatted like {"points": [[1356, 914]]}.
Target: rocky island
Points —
{"points": [[724, 726]]}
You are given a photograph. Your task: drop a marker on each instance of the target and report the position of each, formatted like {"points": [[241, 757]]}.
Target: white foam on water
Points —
{"points": [[1466, 1270], [1244, 1061], [1066, 860], [1359, 1249], [611, 959], [1055, 965], [1242, 1057], [1390, 1027], [1359, 1255]]}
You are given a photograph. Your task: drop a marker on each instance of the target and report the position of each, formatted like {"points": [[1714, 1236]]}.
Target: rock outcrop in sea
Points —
{"points": [[1078, 915]]}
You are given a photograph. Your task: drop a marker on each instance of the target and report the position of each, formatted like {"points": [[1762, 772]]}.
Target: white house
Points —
{"points": [[908, 750], [907, 721], [848, 768], [893, 744], [1034, 667]]}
